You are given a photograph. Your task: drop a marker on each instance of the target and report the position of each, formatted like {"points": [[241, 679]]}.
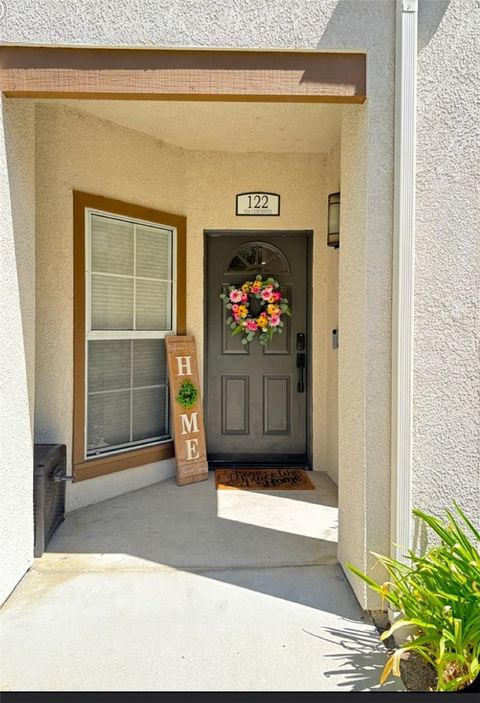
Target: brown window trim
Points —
{"points": [[90, 468]]}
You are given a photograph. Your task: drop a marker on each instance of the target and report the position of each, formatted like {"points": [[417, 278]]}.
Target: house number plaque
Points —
{"points": [[258, 204], [186, 410]]}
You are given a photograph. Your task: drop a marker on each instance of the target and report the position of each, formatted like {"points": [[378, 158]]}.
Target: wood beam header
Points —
{"points": [[177, 74]]}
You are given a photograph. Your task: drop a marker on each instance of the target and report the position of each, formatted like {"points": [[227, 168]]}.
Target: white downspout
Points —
{"points": [[403, 276]]}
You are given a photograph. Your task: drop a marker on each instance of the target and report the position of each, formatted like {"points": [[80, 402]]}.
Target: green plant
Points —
{"points": [[187, 395], [439, 594]]}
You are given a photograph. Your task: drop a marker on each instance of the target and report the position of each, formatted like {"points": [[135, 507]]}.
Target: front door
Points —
{"points": [[257, 397]]}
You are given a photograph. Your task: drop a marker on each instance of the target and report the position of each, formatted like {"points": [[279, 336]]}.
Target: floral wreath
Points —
{"points": [[268, 321]]}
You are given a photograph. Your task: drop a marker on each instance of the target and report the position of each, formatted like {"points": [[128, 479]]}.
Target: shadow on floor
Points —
{"points": [[240, 536], [193, 589], [361, 661]]}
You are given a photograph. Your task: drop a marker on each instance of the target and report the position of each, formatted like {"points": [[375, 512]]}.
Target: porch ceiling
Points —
{"points": [[224, 126]]}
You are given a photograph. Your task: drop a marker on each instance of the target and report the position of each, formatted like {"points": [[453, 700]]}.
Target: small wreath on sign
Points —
{"points": [[187, 395], [268, 322]]}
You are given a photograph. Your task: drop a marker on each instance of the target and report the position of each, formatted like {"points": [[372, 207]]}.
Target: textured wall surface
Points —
{"points": [[77, 152], [365, 283], [332, 263], [446, 448], [101, 488], [17, 335], [352, 493], [82, 152], [167, 23]]}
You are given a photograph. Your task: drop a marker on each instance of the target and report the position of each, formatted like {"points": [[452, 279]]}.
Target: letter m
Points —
{"points": [[189, 424]]}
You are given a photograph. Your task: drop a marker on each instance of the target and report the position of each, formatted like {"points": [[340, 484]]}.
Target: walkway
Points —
{"points": [[170, 588]]}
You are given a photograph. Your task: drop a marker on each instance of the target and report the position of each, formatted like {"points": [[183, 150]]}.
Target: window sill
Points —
{"points": [[100, 466]]}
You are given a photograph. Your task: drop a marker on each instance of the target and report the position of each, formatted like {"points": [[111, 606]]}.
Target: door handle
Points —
{"points": [[300, 367]]}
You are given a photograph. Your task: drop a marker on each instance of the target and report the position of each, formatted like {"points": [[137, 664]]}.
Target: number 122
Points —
{"points": [[256, 202]]}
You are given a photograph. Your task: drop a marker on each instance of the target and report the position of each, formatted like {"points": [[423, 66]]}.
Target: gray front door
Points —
{"points": [[256, 397]]}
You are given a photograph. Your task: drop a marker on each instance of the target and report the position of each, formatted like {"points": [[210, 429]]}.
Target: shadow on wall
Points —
{"points": [[430, 15], [357, 24]]}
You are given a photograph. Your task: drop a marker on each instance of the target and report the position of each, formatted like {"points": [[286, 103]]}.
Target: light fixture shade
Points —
{"points": [[333, 235]]}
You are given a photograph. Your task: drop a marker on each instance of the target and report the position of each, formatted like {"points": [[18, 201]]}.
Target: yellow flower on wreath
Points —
{"points": [[242, 311], [273, 309], [262, 322], [246, 287]]}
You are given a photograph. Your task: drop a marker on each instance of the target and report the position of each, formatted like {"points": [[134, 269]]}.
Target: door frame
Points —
{"points": [[211, 234]]}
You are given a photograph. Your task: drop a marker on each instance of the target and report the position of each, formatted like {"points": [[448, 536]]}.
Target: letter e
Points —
{"points": [[192, 449]]}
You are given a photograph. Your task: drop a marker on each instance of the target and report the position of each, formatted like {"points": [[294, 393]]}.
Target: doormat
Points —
{"points": [[263, 480]]}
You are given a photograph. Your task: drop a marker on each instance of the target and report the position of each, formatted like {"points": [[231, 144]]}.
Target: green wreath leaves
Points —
{"points": [[187, 395]]}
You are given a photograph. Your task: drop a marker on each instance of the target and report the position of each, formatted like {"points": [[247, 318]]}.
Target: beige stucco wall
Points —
{"points": [[17, 340], [81, 152], [352, 363], [332, 317], [76, 152]]}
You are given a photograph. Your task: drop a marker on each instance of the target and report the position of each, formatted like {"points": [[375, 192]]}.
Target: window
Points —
{"points": [[129, 270], [258, 257]]}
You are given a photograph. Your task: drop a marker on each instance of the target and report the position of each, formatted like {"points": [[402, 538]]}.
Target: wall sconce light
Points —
{"points": [[333, 235]]}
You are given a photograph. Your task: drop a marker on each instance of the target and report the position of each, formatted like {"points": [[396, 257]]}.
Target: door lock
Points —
{"points": [[300, 342]]}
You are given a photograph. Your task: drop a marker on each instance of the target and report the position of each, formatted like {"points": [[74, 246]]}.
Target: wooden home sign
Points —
{"points": [[186, 410]]}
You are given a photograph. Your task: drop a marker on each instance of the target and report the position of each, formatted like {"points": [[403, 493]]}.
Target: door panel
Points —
{"points": [[235, 405], [276, 405], [255, 412]]}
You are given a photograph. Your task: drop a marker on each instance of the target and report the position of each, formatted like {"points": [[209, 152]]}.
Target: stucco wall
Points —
{"points": [[77, 152], [352, 314], [332, 271], [446, 447], [17, 347], [251, 23], [82, 152], [365, 284]]}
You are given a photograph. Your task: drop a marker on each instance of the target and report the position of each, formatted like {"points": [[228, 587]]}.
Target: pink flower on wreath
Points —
{"points": [[266, 293], [274, 320], [251, 326], [234, 309], [244, 297], [276, 295], [256, 285], [236, 296]]}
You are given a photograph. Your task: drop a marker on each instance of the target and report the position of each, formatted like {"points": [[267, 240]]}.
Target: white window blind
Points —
{"points": [[130, 286]]}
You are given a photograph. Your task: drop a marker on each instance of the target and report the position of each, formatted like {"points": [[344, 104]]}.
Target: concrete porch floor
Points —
{"points": [[190, 588]]}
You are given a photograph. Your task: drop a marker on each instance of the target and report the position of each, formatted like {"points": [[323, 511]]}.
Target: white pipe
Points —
{"points": [[403, 276]]}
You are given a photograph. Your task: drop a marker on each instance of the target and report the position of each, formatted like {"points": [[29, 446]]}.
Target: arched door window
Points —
{"points": [[257, 257]]}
